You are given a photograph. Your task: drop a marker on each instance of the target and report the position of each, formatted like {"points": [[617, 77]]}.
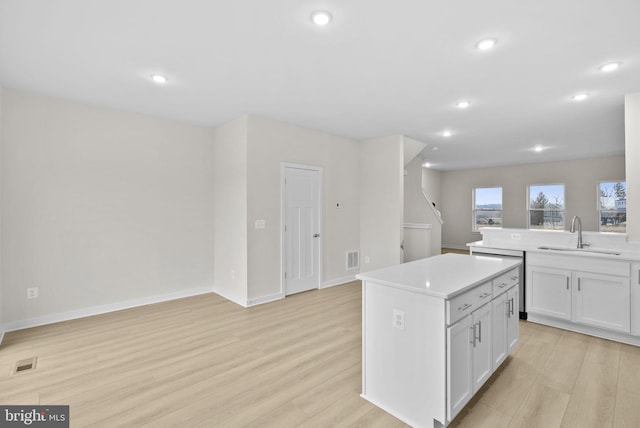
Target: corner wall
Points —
{"points": [[230, 210], [100, 209], [632, 153], [381, 202]]}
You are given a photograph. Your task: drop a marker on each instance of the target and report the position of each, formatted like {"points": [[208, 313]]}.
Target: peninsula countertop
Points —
{"points": [[444, 276]]}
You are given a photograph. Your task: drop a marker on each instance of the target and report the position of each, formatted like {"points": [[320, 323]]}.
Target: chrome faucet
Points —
{"points": [[573, 229]]}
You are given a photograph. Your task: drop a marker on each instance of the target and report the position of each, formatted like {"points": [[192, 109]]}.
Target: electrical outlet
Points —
{"points": [[516, 236], [398, 319], [233, 274], [32, 293]]}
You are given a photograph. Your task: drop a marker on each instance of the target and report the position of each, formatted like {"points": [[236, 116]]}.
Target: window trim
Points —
{"points": [[475, 229], [564, 205]]}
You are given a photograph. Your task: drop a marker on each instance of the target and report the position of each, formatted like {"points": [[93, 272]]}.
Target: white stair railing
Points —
{"points": [[436, 212]]}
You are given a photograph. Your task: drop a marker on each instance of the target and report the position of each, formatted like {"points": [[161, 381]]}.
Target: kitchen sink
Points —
{"points": [[581, 250]]}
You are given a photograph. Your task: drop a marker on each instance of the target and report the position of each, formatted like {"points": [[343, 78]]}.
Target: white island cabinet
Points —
{"points": [[427, 332]]}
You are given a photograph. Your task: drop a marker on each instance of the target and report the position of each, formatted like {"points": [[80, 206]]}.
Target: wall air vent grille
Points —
{"points": [[353, 259]]}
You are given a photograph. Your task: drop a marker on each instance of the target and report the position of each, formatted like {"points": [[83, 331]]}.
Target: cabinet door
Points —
{"points": [[513, 311], [499, 313], [635, 299], [548, 292], [459, 390], [602, 301], [482, 361]]}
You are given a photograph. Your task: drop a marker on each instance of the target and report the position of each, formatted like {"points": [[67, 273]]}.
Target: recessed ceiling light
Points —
{"points": [[446, 133], [580, 97], [321, 17], [435, 148], [486, 44], [610, 67], [426, 164], [463, 104], [538, 148], [159, 78]]}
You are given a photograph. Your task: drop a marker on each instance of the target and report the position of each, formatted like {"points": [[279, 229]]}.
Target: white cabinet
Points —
{"points": [[469, 362], [459, 376], [513, 315], [481, 346], [585, 291], [634, 291], [602, 301], [549, 291], [505, 325]]}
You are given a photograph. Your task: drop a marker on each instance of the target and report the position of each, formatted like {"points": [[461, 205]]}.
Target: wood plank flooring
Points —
{"points": [[206, 362]]}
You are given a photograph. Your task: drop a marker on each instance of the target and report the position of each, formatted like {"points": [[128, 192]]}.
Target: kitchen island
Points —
{"points": [[433, 331]]}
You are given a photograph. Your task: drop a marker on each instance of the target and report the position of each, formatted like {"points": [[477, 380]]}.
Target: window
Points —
{"points": [[613, 206], [487, 207], [546, 206]]}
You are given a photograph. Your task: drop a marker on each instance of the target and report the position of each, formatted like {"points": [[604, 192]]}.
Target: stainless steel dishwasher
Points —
{"points": [[499, 252]]}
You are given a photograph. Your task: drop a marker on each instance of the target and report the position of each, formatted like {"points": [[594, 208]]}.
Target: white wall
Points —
{"points": [[230, 212], [432, 185], [632, 155], [381, 202], [580, 177], [270, 143], [100, 207]]}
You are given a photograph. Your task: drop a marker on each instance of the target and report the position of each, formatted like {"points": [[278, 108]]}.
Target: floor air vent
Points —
{"points": [[353, 259], [26, 365]]}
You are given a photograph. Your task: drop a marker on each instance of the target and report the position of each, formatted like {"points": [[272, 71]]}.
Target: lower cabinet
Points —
{"points": [[469, 348], [596, 299], [602, 301], [459, 357], [505, 333], [549, 291]]}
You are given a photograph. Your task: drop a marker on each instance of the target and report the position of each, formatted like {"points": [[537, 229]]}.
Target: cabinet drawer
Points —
{"points": [[505, 282], [467, 302]]}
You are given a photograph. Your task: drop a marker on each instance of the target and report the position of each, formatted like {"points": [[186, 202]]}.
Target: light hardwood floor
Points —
{"points": [[206, 362]]}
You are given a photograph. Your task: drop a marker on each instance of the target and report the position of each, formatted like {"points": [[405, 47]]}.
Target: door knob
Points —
{"points": [[316, 235]]}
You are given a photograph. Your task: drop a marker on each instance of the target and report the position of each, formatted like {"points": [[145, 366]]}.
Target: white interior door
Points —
{"points": [[301, 229]]}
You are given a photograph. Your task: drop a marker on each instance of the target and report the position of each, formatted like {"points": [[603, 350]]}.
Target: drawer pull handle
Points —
{"points": [[567, 283], [480, 331], [485, 295], [514, 278], [503, 284], [578, 284], [512, 307], [464, 307], [472, 329]]}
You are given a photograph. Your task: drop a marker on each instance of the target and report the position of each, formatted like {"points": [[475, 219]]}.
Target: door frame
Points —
{"points": [[283, 254]]}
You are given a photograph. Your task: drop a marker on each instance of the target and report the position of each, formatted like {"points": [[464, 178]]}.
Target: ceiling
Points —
{"points": [[379, 68]]}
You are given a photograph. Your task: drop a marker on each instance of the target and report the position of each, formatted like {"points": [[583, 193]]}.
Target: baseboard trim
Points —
{"points": [[1, 335], [102, 309], [231, 298], [338, 281], [584, 329], [265, 299]]}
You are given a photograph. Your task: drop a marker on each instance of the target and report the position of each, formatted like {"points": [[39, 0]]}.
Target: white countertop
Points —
{"points": [[444, 276], [625, 254]]}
